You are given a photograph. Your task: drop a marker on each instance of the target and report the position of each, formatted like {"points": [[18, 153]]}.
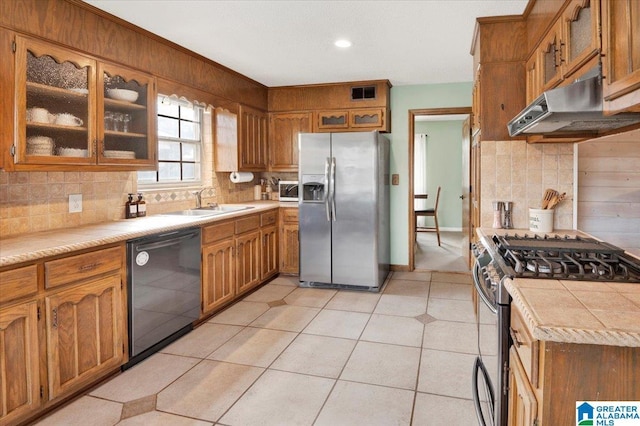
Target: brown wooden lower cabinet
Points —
{"points": [[218, 274], [546, 379], [84, 333], [56, 341], [523, 406], [19, 366], [247, 261], [237, 255], [269, 237], [289, 242]]}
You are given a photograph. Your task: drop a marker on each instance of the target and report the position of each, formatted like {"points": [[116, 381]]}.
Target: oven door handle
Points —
{"points": [[481, 289], [477, 369]]}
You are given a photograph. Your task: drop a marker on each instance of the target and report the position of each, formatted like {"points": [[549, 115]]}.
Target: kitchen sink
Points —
{"points": [[208, 211]]}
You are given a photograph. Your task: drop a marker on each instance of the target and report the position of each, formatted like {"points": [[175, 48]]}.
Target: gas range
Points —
{"points": [[566, 258]]}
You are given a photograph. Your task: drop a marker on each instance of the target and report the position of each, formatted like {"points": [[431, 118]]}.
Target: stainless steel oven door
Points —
{"points": [[485, 369]]}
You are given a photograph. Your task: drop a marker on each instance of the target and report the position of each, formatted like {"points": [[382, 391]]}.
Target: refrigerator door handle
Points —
{"points": [[333, 188], [327, 196]]}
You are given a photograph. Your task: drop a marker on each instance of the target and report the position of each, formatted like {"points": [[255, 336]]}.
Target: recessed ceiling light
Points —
{"points": [[343, 43]]}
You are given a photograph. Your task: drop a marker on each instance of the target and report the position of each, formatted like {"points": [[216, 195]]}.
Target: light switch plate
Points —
{"points": [[75, 203]]}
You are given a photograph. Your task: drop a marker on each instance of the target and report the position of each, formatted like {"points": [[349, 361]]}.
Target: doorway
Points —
{"points": [[439, 141]]}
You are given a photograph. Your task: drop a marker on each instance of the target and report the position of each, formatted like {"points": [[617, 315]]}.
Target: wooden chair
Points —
{"points": [[429, 213]]}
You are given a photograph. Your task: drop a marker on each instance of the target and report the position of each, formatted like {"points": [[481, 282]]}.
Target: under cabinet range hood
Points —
{"points": [[570, 110]]}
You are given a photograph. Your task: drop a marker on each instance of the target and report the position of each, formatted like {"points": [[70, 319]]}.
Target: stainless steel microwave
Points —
{"points": [[288, 190]]}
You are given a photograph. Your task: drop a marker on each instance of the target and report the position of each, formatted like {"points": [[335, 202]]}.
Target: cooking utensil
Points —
{"points": [[556, 200], [548, 195]]}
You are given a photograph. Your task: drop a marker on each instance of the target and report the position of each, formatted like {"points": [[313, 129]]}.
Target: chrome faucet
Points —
{"points": [[198, 195]]}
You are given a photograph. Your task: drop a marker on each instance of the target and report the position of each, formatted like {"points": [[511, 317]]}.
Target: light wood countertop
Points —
{"points": [[566, 311], [38, 245]]}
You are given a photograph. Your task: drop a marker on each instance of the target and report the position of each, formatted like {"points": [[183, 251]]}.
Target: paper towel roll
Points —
{"points": [[240, 177]]}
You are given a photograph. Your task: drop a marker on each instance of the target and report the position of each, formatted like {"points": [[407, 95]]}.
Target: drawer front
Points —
{"points": [[17, 283], [247, 224], [290, 215], [525, 345], [83, 266], [217, 232], [269, 218]]}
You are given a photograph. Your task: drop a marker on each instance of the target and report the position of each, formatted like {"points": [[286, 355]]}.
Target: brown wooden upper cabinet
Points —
{"points": [[351, 120], [253, 139], [72, 110], [621, 63], [499, 88], [283, 139], [240, 146], [569, 49]]}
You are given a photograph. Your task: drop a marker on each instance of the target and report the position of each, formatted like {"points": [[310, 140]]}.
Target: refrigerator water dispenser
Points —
{"points": [[313, 188]]}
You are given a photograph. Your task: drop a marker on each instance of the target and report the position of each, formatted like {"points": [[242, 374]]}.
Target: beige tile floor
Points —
{"points": [[291, 356], [430, 256]]}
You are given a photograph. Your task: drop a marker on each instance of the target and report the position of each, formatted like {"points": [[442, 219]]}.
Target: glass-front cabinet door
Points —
{"points": [[126, 103], [55, 105], [74, 110]]}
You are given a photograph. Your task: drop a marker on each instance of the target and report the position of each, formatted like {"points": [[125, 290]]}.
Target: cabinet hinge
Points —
{"points": [[535, 422], [13, 150], [123, 348], [14, 46], [41, 392], [38, 313]]}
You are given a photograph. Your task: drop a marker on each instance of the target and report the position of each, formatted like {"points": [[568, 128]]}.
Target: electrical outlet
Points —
{"points": [[395, 179], [75, 203]]}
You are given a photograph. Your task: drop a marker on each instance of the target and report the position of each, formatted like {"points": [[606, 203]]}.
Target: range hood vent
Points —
{"points": [[568, 110]]}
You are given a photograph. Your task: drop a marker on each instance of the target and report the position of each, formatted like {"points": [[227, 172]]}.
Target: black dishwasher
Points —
{"points": [[163, 290]]}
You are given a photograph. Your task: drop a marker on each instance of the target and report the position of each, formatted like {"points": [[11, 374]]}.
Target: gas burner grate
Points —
{"points": [[568, 258]]}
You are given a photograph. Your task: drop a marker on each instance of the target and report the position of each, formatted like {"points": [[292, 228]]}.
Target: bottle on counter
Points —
{"points": [[142, 206], [130, 208]]}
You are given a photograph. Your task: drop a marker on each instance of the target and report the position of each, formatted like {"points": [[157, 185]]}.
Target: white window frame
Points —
{"points": [[198, 143]]}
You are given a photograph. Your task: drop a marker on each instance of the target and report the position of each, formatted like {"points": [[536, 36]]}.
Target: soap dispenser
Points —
{"points": [[130, 208], [142, 206]]}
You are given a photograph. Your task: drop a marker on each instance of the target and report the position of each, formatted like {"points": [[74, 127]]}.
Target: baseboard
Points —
{"points": [[399, 268]]}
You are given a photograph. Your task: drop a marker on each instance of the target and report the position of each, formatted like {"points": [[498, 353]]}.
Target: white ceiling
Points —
{"points": [[280, 43]]}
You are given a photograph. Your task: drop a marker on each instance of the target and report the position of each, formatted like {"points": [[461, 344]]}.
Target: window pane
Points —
{"points": [[188, 114], [167, 127], [168, 151], [189, 171], [167, 108], [146, 177], [189, 130], [190, 152], [169, 172]]}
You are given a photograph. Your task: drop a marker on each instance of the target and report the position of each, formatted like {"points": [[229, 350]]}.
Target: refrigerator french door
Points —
{"points": [[344, 210]]}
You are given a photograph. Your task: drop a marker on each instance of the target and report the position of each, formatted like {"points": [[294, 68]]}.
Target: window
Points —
{"points": [[179, 145]]}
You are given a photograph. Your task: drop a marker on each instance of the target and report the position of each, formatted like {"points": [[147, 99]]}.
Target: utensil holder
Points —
{"points": [[541, 220]]}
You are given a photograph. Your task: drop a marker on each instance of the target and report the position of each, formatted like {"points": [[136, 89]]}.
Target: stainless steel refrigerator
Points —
{"points": [[344, 210]]}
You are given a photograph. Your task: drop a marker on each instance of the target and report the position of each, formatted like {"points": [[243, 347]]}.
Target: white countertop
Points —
{"points": [[38, 245]]}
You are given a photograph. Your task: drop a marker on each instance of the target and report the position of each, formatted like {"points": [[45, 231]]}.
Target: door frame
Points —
{"points": [[411, 214]]}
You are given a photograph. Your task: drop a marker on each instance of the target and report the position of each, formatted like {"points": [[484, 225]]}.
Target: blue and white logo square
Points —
{"points": [[608, 413]]}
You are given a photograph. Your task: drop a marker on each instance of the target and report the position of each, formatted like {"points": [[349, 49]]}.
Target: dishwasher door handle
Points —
{"points": [[165, 243]]}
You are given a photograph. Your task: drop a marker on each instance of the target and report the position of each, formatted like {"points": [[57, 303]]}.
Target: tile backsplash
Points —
{"points": [[39, 201], [520, 172]]}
